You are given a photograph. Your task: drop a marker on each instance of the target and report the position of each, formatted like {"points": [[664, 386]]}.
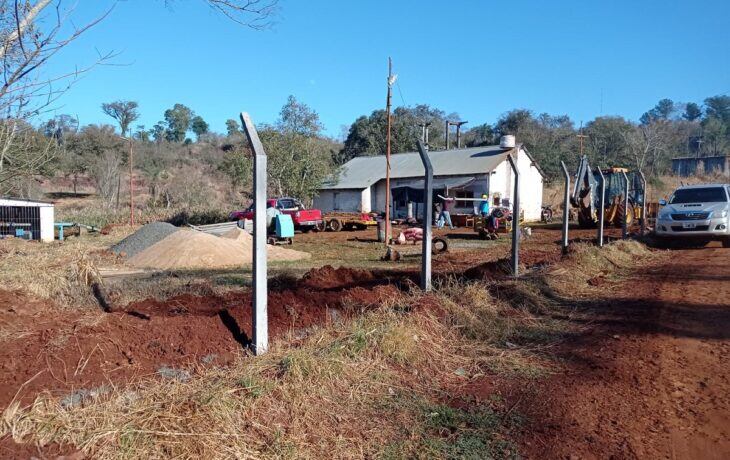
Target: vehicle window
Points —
{"points": [[286, 204], [699, 195]]}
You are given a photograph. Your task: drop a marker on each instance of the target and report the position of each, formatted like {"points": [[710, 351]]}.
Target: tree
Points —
{"points": [[178, 120], [718, 107], [479, 135], [607, 141], [233, 128], [296, 117], [715, 134], [366, 135], [692, 112], [125, 112], [198, 126], [663, 110]]}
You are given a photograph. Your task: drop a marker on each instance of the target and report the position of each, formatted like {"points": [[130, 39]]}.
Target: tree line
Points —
{"points": [[177, 168]]}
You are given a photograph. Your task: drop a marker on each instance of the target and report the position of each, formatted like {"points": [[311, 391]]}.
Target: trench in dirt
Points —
{"points": [[63, 351]]}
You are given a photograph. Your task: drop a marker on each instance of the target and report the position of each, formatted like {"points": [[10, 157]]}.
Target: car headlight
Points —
{"points": [[723, 213], [664, 215]]}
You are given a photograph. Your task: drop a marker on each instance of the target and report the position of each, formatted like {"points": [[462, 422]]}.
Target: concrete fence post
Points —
{"points": [[515, 218], [601, 208], [625, 223], [427, 218], [260, 339], [643, 203], [566, 208]]}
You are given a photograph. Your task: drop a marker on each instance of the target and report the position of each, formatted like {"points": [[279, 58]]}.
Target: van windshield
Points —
{"points": [[699, 195]]}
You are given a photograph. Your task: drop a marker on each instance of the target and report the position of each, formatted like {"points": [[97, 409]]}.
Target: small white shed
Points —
{"points": [[28, 219]]}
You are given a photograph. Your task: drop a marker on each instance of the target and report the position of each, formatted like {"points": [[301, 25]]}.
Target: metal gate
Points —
{"points": [[20, 221]]}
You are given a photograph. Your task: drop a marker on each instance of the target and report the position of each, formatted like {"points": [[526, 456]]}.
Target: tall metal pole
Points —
{"points": [[515, 218], [131, 182], [601, 208], [427, 217], [643, 203], [259, 305], [625, 226], [387, 155], [566, 204], [447, 134]]}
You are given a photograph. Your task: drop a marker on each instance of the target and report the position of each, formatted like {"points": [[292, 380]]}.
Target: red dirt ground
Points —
{"points": [[650, 379], [62, 351]]}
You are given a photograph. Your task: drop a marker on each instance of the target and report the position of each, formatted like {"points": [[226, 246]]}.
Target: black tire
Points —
{"points": [[321, 226], [726, 243], [271, 240], [483, 234], [335, 225], [439, 245], [306, 229]]}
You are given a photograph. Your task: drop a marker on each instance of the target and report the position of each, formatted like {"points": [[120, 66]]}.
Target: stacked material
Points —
{"points": [[197, 250], [144, 238]]}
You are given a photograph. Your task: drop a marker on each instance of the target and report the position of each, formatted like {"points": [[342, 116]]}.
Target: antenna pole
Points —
{"points": [[387, 155]]}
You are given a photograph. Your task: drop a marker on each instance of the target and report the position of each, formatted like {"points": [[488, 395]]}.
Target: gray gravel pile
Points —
{"points": [[144, 238]]}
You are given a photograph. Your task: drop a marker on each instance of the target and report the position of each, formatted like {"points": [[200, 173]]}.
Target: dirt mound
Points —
{"points": [[328, 277], [197, 250], [496, 269], [144, 238]]}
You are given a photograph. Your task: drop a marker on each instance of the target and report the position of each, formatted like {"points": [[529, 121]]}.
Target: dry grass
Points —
{"points": [[371, 386]]}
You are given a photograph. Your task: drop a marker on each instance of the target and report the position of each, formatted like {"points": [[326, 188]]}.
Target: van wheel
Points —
{"points": [[726, 243]]}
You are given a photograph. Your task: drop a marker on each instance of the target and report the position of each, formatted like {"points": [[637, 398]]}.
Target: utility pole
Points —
{"points": [[458, 131], [424, 132], [581, 136], [131, 182], [391, 80]]}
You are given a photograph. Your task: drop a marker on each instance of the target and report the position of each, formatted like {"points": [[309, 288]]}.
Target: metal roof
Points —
{"points": [[24, 200], [362, 172]]}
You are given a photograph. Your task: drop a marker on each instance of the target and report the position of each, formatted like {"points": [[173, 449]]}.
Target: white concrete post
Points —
{"points": [[566, 210], [427, 218], [260, 339], [515, 218], [625, 225], [601, 207]]}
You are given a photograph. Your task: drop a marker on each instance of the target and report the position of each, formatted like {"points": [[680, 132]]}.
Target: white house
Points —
{"points": [[26, 219], [463, 173]]}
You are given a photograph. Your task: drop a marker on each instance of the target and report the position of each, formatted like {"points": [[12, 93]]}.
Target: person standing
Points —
{"points": [[447, 204], [484, 205]]}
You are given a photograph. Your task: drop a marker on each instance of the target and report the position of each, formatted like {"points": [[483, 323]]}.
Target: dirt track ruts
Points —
{"points": [[650, 378]]}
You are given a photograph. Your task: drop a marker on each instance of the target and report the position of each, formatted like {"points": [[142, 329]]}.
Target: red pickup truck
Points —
{"points": [[304, 219]]}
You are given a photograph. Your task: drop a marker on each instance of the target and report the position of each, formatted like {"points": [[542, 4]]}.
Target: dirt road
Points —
{"points": [[650, 378]]}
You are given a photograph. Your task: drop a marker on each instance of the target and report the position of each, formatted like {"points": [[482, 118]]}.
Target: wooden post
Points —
{"points": [[643, 203], [387, 155]]}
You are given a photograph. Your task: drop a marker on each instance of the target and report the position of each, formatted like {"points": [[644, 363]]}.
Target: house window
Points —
{"points": [[464, 194]]}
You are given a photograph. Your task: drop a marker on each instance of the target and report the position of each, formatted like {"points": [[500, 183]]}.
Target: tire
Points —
{"points": [[321, 226], [306, 229], [483, 234], [335, 225], [271, 240], [726, 243], [439, 245]]}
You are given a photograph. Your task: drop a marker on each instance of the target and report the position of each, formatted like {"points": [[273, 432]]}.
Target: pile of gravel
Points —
{"points": [[144, 238]]}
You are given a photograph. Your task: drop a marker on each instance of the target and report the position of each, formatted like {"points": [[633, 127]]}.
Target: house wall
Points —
{"points": [[531, 184], [347, 200]]}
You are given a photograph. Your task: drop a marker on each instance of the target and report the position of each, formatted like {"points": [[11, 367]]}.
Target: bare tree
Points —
{"points": [[125, 112]]}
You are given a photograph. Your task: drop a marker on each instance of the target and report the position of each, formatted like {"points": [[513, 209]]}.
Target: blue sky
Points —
{"points": [[476, 58]]}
